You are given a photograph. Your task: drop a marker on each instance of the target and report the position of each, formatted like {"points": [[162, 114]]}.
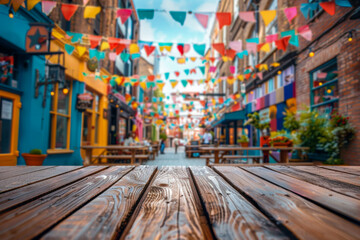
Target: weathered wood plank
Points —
{"points": [[32, 219], [347, 206], [230, 214], [10, 168], [355, 170], [338, 176], [103, 217], [336, 186], [22, 195], [22, 170], [33, 177], [168, 211], [304, 219]]}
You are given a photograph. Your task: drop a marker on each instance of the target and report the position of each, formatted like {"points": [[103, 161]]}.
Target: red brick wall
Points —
{"points": [[333, 44]]}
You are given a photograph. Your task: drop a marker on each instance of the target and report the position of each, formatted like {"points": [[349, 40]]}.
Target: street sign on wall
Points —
{"points": [[84, 101]]}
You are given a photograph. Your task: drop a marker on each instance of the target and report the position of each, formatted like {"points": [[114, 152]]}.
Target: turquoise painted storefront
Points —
{"points": [[32, 129]]}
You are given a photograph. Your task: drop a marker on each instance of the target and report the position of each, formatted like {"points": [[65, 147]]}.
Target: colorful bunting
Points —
{"points": [[290, 13], [223, 18], [219, 47], [328, 7], [167, 75], [203, 19], [247, 16], [31, 4], [202, 69], [120, 48], [236, 45], [199, 48], [184, 83], [212, 69], [343, 3], [305, 8], [48, 6], [294, 40], [124, 56], [271, 38], [112, 56], [81, 50], [178, 16], [134, 48], [145, 14], [149, 49], [173, 83], [123, 14], [68, 10], [251, 47], [104, 46], [232, 69], [268, 16], [69, 48], [282, 43], [91, 12], [166, 46], [180, 48], [94, 40], [305, 32]]}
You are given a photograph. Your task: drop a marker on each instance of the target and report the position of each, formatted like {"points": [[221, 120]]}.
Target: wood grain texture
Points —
{"points": [[355, 170], [231, 215], [169, 210], [303, 218], [22, 195], [22, 171], [334, 185], [102, 217], [32, 219], [33, 177], [337, 202], [10, 168], [338, 176]]}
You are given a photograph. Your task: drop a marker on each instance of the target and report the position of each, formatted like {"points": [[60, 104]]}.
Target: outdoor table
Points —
{"points": [[284, 151], [156, 148], [226, 202], [131, 149]]}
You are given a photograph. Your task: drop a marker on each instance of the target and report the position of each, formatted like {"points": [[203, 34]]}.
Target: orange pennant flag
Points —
{"points": [[223, 18]]}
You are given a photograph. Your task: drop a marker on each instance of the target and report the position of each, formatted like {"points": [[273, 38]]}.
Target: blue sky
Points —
{"points": [[162, 28]]}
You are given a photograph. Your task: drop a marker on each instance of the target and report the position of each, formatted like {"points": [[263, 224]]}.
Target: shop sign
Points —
{"points": [[84, 101], [37, 39], [264, 116]]}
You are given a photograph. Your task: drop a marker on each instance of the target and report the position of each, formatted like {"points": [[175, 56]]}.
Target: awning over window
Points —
{"points": [[231, 117]]}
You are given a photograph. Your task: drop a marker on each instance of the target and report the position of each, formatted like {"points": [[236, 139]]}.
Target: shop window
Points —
{"points": [[60, 117], [324, 87], [7, 71], [91, 118], [287, 75], [6, 110]]}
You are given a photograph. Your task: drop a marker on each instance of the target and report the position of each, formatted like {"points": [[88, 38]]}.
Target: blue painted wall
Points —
{"points": [[34, 125]]}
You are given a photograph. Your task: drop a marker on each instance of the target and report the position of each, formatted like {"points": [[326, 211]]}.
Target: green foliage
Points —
{"points": [[254, 120], [290, 121], [243, 139], [163, 136], [35, 152]]}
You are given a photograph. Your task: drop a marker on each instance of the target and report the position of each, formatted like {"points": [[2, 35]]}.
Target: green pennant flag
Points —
{"points": [[146, 14], [202, 69], [178, 16]]}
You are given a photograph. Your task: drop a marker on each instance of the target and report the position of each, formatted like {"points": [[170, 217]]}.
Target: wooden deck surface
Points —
{"points": [[146, 202]]}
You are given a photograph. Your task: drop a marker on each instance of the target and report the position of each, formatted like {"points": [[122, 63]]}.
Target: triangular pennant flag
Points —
{"points": [[124, 56], [187, 71], [134, 48], [135, 56], [48, 6], [253, 40], [260, 75], [223, 18], [181, 60], [268, 16], [177, 73], [265, 47], [113, 42], [68, 10], [190, 81], [247, 16], [31, 4], [271, 38], [85, 2], [251, 47], [193, 71], [16, 4], [232, 69], [166, 46], [282, 43], [184, 82], [123, 14], [91, 12], [328, 7], [173, 83], [290, 13], [145, 14], [203, 19], [149, 49], [180, 47], [212, 69], [167, 75], [193, 59], [112, 56], [305, 32], [81, 50], [94, 40], [199, 48], [120, 48], [69, 48], [143, 86], [186, 48], [343, 3], [151, 78], [219, 47], [294, 40], [202, 69], [104, 46], [230, 80], [230, 53], [178, 16], [236, 45], [306, 7], [161, 86]]}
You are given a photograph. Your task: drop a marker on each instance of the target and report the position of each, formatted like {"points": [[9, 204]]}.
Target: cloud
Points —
{"points": [[147, 31]]}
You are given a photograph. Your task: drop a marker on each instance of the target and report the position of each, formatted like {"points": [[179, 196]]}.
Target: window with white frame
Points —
{"points": [[252, 58], [272, 28]]}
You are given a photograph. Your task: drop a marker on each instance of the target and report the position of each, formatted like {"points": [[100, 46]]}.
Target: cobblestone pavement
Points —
{"points": [[172, 159]]}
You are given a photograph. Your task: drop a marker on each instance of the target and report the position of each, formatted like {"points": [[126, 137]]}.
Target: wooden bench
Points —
{"points": [[120, 157]]}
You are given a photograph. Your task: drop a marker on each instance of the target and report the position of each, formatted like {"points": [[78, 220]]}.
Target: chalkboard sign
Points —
{"points": [[84, 101]]}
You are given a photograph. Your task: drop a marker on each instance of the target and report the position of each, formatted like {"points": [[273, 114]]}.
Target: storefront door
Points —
{"points": [[9, 128]]}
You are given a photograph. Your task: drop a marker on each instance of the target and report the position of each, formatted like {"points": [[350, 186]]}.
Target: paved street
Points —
{"points": [[172, 159]]}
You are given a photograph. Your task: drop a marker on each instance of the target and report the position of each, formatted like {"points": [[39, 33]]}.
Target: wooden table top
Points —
{"points": [[226, 202], [115, 147], [239, 148]]}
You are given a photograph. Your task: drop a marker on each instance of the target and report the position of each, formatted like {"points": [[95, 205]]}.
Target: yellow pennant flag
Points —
{"points": [[230, 80], [263, 67], [225, 58], [240, 77], [31, 4], [268, 16], [118, 80], [134, 48], [143, 85], [174, 83], [167, 48], [275, 64], [158, 76], [104, 45], [193, 59], [265, 48], [81, 50], [161, 86], [57, 34], [181, 60], [91, 11]]}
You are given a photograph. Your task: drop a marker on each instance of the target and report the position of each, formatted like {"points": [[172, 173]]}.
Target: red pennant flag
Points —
{"points": [[68, 10], [230, 53], [190, 81], [247, 76], [212, 59], [202, 102], [219, 47], [149, 49], [259, 46], [113, 42], [193, 71], [123, 14], [120, 48], [328, 7], [224, 19], [94, 40], [151, 78], [221, 100], [177, 74], [282, 43], [180, 47]]}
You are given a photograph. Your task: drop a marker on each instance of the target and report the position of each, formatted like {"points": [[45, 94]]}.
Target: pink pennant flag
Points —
{"points": [[48, 6], [247, 16], [112, 56], [186, 48], [236, 45], [271, 38], [232, 69], [123, 14], [290, 13], [85, 2], [251, 47], [212, 69], [260, 75], [305, 32], [203, 19]]}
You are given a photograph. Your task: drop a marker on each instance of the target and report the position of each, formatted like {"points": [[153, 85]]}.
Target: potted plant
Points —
{"points": [[244, 141], [280, 141], [34, 157], [254, 120]]}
